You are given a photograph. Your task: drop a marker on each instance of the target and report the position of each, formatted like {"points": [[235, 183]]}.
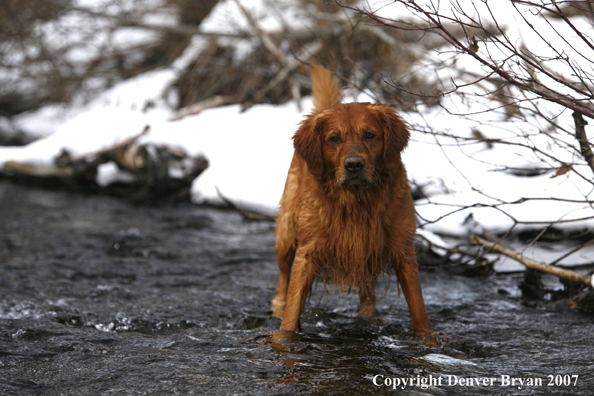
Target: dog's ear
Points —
{"points": [[308, 143], [396, 133]]}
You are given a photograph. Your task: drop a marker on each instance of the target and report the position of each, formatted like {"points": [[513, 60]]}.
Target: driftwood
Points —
{"points": [[154, 172], [529, 263], [15, 169]]}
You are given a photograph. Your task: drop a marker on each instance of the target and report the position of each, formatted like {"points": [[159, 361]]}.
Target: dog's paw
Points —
{"points": [[278, 307], [285, 341], [368, 313], [431, 338]]}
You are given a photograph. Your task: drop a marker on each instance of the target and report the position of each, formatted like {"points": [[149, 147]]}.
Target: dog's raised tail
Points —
{"points": [[325, 91]]}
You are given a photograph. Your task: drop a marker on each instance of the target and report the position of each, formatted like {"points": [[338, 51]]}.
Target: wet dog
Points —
{"points": [[346, 212]]}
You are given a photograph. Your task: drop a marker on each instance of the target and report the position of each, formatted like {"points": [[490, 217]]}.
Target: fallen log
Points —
{"points": [[143, 172]]}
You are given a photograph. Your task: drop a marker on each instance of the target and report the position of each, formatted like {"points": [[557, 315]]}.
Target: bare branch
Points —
{"points": [[199, 107], [585, 145], [310, 51], [435, 25], [266, 40]]}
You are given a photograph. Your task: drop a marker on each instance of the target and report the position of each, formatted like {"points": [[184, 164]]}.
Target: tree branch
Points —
{"points": [[529, 263], [195, 108], [580, 133]]}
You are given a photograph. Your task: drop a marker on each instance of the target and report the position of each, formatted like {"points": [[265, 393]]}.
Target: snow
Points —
{"points": [[249, 153], [472, 176]]}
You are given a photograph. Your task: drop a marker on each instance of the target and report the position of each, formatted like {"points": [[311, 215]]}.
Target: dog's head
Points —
{"points": [[352, 143]]}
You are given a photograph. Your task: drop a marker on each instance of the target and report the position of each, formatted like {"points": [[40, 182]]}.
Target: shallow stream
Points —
{"points": [[98, 296]]}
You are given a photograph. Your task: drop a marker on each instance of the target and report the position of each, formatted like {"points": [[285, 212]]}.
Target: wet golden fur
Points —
{"points": [[346, 211]]}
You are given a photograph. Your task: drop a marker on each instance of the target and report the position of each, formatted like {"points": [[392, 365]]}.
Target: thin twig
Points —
{"points": [[250, 216], [583, 245]]}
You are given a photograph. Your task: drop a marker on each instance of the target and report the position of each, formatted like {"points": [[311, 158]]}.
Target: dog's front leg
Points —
{"points": [[408, 277], [285, 254], [299, 288]]}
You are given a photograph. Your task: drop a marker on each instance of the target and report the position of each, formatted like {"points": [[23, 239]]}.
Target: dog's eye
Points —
{"points": [[334, 138], [369, 135]]}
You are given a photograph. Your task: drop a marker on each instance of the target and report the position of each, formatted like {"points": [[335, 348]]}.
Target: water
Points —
{"points": [[98, 296]]}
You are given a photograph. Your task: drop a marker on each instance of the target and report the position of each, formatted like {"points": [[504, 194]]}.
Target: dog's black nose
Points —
{"points": [[354, 164]]}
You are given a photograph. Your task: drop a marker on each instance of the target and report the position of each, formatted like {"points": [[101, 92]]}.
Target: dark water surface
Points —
{"points": [[98, 296]]}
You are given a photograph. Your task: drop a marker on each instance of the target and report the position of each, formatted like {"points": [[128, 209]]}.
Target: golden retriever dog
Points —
{"points": [[347, 212]]}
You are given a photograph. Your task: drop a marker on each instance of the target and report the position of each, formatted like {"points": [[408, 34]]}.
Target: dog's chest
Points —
{"points": [[352, 249], [355, 234]]}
